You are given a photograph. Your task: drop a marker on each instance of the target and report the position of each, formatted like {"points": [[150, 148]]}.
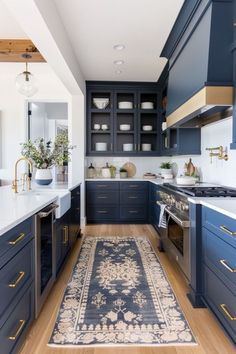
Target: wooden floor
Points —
{"points": [[209, 335]]}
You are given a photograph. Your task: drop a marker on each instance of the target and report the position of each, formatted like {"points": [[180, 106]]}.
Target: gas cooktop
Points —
{"points": [[198, 191]]}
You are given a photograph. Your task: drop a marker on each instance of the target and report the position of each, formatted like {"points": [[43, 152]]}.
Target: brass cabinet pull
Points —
{"points": [[224, 308], [14, 242], [102, 212], [224, 228], [18, 279], [66, 234], [223, 262], [18, 330]]}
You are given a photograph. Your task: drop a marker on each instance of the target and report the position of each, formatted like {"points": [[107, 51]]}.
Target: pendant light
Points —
{"points": [[25, 81]]}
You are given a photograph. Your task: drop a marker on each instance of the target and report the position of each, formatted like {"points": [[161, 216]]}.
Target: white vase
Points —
{"points": [[43, 176], [166, 171]]}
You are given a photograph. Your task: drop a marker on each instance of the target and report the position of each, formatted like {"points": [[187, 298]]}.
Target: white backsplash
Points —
{"points": [[219, 171]]}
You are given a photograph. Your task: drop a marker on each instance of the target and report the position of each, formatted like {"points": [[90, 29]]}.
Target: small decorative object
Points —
{"points": [[190, 168], [101, 103], [147, 105], [127, 147], [149, 175], [125, 105], [147, 128], [101, 146], [113, 171], [125, 127], [104, 127], [45, 155], [106, 172], [130, 168], [123, 173], [146, 147], [91, 171], [96, 126], [165, 168]]}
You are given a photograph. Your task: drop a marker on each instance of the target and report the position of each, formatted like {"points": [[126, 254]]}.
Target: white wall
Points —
{"points": [[219, 171]]}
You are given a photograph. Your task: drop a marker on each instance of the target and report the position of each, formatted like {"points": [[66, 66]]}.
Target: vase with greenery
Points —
{"points": [[46, 154], [165, 168], [123, 173]]}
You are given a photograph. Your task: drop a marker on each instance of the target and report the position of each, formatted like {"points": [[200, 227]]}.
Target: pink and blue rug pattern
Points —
{"points": [[118, 294]]}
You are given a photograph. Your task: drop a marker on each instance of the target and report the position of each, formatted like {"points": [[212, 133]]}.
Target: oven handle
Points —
{"points": [[44, 214], [183, 223]]}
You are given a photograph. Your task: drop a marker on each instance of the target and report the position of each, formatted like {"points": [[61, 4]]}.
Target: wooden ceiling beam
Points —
{"points": [[11, 50]]}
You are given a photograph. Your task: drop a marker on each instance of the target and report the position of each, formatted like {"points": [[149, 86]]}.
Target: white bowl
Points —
{"points": [[146, 147], [186, 181], [101, 146], [147, 128], [101, 103], [147, 105], [125, 105], [128, 147], [124, 126]]}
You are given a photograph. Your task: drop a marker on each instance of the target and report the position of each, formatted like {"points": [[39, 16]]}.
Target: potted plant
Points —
{"points": [[45, 155], [165, 168], [123, 173]]}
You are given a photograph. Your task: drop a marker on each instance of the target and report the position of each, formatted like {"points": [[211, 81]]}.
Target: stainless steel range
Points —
{"points": [[175, 236]]}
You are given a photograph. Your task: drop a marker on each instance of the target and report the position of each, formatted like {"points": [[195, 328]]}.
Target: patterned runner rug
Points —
{"points": [[118, 294]]}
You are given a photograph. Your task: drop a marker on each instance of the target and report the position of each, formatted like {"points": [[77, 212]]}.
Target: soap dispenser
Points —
{"points": [[91, 171]]}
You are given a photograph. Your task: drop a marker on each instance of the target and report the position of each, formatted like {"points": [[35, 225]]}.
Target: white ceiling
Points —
{"points": [[9, 28], [95, 26]]}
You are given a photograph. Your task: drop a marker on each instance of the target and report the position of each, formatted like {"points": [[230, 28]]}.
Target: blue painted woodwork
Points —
{"points": [[199, 49], [62, 239], [219, 279], [74, 226], [233, 144], [181, 141], [103, 197], [17, 301]]}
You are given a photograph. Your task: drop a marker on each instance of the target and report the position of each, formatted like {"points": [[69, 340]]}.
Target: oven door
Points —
{"points": [[178, 236]]}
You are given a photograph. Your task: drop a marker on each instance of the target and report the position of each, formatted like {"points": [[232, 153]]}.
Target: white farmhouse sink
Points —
{"points": [[63, 200]]}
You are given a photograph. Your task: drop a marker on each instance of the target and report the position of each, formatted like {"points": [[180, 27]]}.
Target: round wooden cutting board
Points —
{"points": [[130, 168]]}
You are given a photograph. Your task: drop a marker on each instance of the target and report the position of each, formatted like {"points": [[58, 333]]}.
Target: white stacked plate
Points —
{"points": [[147, 128], [146, 147], [125, 105], [147, 105], [124, 127], [127, 147], [100, 146]]}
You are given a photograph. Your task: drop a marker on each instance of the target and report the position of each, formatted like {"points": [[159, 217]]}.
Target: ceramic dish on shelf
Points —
{"points": [[128, 147], [130, 168], [147, 128], [101, 146], [125, 127], [101, 103], [185, 181], [125, 105], [147, 105], [146, 147]]}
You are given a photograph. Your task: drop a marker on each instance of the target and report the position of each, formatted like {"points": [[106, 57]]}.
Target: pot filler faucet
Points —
{"points": [[25, 177]]}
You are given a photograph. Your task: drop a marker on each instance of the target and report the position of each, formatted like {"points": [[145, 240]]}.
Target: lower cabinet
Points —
{"points": [[16, 286], [219, 267], [62, 239], [117, 202], [74, 224]]}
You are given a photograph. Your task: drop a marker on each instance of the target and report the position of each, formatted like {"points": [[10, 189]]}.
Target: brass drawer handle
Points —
{"points": [[19, 238], [224, 228], [18, 331], [102, 212], [66, 234], [223, 262], [224, 308], [18, 279]]}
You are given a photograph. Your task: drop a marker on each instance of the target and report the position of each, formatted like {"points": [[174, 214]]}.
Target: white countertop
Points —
{"points": [[15, 208]]}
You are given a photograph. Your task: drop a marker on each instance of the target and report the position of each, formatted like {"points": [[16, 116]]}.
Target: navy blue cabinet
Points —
{"points": [[16, 285], [127, 106], [74, 224], [219, 267], [62, 239], [181, 141], [116, 202]]}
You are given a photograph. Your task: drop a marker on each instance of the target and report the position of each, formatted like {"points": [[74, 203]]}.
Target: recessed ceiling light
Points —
{"points": [[118, 62], [119, 47], [118, 72]]}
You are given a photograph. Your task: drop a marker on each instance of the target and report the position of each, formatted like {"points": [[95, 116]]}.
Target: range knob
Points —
{"points": [[184, 206]]}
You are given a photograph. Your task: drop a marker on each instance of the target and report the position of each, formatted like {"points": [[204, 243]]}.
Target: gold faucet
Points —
{"points": [[14, 182], [221, 154]]}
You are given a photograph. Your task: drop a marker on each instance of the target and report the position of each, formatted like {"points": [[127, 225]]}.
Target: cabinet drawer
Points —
{"points": [[103, 185], [221, 300], [222, 225], [133, 213], [14, 275], [222, 256], [76, 191], [139, 185], [15, 238], [133, 197], [102, 197], [14, 330], [102, 213]]}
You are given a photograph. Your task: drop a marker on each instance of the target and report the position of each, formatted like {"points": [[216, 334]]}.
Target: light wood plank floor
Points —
{"points": [[209, 335]]}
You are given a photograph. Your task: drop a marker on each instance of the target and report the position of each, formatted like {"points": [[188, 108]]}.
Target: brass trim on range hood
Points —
{"points": [[201, 102]]}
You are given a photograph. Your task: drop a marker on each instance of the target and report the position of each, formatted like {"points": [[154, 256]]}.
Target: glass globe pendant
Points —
{"points": [[26, 84]]}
